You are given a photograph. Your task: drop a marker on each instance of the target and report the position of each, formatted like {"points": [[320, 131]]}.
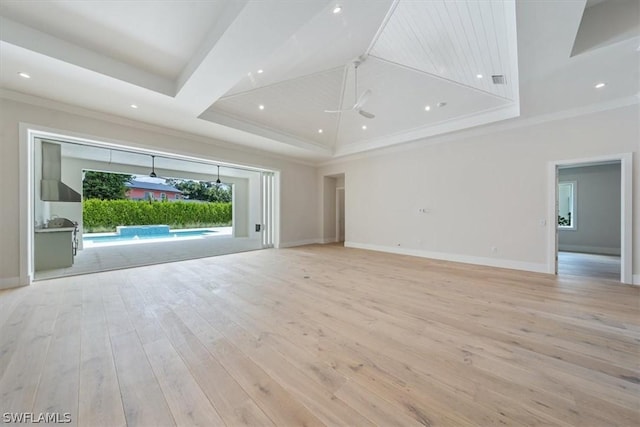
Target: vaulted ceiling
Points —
{"points": [[414, 56], [263, 73]]}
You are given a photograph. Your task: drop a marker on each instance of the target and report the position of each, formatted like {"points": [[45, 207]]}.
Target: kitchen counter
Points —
{"points": [[53, 229]]}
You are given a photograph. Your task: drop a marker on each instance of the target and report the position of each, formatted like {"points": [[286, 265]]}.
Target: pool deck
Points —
{"points": [[105, 257]]}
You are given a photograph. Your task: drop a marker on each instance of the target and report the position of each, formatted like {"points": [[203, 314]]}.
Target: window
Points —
{"points": [[567, 205], [148, 195], [163, 196], [177, 196]]}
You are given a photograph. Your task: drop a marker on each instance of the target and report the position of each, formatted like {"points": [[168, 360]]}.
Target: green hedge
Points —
{"points": [[105, 215]]}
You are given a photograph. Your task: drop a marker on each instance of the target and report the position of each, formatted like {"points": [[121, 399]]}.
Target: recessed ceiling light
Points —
{"points": [[337, 9], [134, 106], [427, 108], [364, 127], [319, 130], [260, 71], [600, 85], [442, 104], [24, 75], [261, 107], [479, 76]]}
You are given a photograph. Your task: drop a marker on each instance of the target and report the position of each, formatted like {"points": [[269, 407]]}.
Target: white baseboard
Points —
{"points": [[300, 243], [636, 279], [590, 249], [9, 282], [467, 259]]}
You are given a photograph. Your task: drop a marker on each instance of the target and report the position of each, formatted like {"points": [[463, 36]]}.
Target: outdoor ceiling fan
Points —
{"points": [[359, 100]]}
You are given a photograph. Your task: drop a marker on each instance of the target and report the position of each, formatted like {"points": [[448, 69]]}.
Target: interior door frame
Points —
{"points": [[626, 204], [268, 189]]}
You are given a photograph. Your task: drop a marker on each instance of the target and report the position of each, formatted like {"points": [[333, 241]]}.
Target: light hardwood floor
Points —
{"points": [[590, 265], [322, 335]]}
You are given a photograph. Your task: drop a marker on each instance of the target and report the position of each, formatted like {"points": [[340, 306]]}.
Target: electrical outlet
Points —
{"points": [[494, 249]]}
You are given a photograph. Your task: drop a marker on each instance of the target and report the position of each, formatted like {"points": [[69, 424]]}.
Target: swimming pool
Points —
{"points": [[115, 237]]}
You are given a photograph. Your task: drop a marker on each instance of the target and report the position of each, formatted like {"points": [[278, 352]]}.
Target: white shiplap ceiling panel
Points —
{"points": [[294, 106], [452, 39]]}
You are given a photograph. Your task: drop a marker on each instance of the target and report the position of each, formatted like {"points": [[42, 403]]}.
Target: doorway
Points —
{"points": [[590, 218], [340, 214], [63, 236], [333, 208]]}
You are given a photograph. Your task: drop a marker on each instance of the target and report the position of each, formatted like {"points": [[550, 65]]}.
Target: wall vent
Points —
{"points": [[499, 79]]}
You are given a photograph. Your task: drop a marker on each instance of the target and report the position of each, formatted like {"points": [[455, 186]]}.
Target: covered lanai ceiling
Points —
{"points": [[262, 73]]}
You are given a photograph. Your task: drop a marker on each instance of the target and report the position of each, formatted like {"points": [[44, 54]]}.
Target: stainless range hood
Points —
{"points": [[51, 186]]}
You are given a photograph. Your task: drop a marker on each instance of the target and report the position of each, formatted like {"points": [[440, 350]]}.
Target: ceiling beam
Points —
{"points": [[29, 38], [252, 34], [275, 135], [607, 23]]}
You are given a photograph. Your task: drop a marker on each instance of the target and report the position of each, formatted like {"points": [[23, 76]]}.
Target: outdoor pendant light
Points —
{"points": [[218, 182], [153, 167]]}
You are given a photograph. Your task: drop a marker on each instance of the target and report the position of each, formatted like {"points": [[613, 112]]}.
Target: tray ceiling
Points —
{"points": [[417, 55], [206, 67]]}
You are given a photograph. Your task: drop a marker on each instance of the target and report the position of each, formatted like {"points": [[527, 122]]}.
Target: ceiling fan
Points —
{"points": [[359, 100]]}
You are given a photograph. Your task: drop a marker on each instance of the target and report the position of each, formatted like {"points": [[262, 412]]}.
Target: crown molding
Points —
{"points": [[37, 101], [515, 123]]}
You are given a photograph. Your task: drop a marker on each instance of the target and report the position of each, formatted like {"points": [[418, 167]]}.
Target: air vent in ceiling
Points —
{"points": [[498, 79]]}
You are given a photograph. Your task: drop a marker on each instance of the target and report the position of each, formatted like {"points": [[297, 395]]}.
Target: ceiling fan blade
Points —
{"points": [[366, 114], [362, 99]]}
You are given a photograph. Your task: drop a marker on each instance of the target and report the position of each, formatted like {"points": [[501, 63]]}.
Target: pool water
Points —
{"points": [[114, 237]]}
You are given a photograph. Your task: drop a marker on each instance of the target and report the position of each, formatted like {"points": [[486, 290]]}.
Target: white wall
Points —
{"points": [[484, 190], [298, 211], [597, 210]]}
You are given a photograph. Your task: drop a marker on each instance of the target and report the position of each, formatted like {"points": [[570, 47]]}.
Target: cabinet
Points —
{"points": [[53, 248]]}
